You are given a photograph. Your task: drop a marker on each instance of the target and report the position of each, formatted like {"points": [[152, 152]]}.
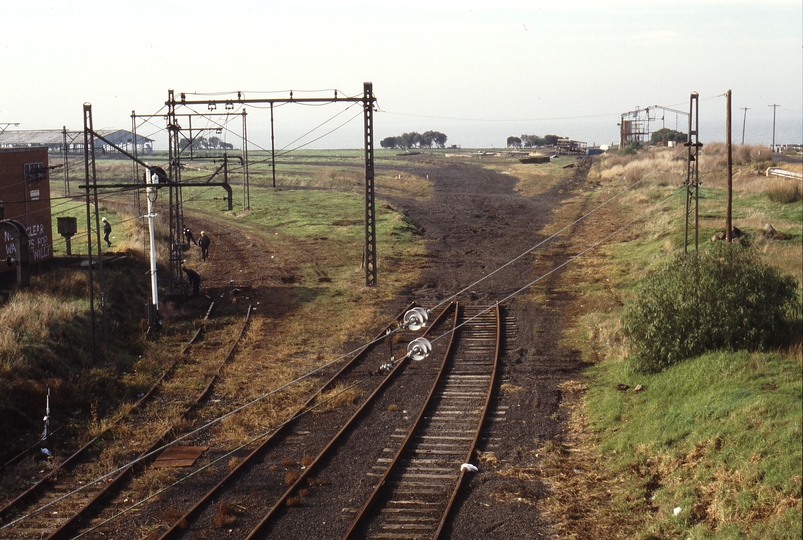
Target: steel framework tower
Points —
{"points": [[174, 129], [693, 173]]}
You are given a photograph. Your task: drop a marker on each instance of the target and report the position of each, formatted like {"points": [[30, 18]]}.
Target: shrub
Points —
{"points": [[784, 192], [721, 298]]}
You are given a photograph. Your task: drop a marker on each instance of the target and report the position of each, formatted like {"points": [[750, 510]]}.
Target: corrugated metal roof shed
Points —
{"points": [[120, 137]]}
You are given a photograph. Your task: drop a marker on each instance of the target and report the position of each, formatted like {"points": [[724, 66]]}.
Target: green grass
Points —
{"points": [[718, 436]]}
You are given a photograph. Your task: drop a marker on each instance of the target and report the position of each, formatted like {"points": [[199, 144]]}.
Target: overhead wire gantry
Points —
{"points": [[175, 129]]}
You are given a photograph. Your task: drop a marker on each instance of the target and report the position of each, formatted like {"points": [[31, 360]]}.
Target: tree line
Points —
{"points": [[428, 139], [530, 141], [202, 143]]}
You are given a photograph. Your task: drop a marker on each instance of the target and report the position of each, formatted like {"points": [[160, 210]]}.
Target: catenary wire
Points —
{"points": [[356, 350]]}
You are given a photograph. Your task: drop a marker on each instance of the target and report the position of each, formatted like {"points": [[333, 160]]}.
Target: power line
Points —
{"points": [[356, 350]]}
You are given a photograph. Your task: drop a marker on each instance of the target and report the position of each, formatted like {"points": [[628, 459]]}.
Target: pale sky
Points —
{"points": [[476, 71]]}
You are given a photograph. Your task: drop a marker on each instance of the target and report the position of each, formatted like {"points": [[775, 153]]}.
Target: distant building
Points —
{"points": [[25, 202], [568, 146], [57, 140]]}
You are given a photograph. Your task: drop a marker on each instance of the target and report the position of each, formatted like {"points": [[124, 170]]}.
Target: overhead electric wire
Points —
{"points": [[356, 350], [221, 458]]}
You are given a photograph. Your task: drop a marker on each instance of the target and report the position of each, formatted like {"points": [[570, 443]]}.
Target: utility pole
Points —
{"points": [[744, 121], [729, 145], [693, 172], [774, 107]]}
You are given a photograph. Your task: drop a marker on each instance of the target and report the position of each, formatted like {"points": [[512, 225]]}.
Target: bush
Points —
{"points": [[721, 298], [784, 192]]}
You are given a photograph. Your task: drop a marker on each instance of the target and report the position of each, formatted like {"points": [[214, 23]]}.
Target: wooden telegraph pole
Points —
{"points": [[729, 202]]}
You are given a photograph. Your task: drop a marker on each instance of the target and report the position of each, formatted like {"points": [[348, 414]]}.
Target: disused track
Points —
{"points": [[413, 497], [272, 465], [52, 506], [399, 455]]}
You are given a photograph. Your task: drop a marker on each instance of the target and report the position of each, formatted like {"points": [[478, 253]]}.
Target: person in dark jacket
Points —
{"points": [[107, 230], [189, 237], [194, 279], [203, 241]]}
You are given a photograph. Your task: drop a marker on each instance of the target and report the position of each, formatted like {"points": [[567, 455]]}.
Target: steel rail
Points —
{"points": [[201, 503], [480, 424], [40, 484], [148, 454], [347, 428], [422, 528], [122, 473], [363, 512]]}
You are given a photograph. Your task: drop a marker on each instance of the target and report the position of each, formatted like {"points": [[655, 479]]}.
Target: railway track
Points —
{"points": [[288, 455], [300, 479], [51, 506], [413, 497], [388, 466]]}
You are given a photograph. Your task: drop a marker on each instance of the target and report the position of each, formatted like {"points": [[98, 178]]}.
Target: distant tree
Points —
{"points": [[532, 140], [428, 139], [226, 146], [214, 142], [515, 142], [389, 142], [409, 140], [440, 139], [664, 135]]}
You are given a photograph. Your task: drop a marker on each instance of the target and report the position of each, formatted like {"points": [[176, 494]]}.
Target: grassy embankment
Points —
{"points": [[711, 447], [318, 212]]}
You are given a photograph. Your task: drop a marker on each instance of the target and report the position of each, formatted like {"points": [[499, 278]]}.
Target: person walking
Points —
{"points": [[194, 279], [203, 242], [189, 237], [107, 230]]}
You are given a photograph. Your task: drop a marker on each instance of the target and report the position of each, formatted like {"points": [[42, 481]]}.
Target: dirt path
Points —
{"points": [[475, 224]]}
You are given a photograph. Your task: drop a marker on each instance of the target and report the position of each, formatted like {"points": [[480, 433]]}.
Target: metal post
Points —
{"points": [[744, 122], [135, 162], [66, 168], [370, 210], [692, 172], [153, 307], [246, 177], [729, 194], [774, 108], [176, 215], [90, 171], [272, 146]]}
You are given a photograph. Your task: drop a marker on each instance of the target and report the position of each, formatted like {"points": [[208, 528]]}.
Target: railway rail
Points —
{"points": [[408, 440], [270, 467], [51, 506], [414, 495]]}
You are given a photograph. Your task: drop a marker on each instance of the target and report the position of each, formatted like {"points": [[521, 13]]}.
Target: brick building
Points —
{"points": [[25, 202]]}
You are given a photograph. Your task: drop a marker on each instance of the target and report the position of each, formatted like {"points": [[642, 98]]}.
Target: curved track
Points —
{"points": [[52, 506], [387, 465]]}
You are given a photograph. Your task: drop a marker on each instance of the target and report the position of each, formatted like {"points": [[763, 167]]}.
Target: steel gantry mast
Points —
{"points": [[174, 129], [693, 172]]}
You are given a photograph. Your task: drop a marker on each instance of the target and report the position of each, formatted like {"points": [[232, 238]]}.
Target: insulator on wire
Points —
{"points": [[418, 349], [416, 318]]}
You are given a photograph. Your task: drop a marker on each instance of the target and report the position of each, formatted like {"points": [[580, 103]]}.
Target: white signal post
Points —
{"points": [[151, 193]]}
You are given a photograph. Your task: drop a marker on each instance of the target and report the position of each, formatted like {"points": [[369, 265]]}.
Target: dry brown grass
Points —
{"points": [[579, 502], [339, 396], [29, 317], [317, 482], [409, 186], [291, 477], [225, 516]]}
